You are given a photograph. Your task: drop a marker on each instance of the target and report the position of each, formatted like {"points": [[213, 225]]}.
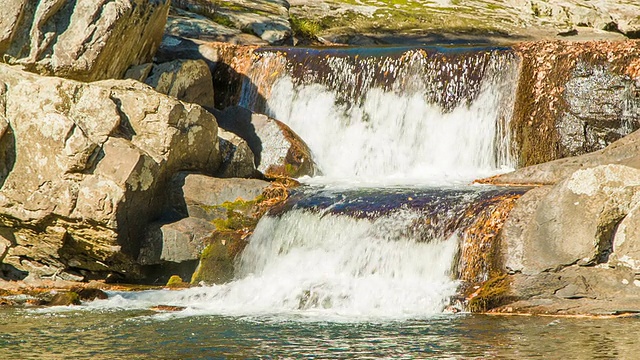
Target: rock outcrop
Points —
{"points": [[277, 149], [625, 151], [254, 22], [570, 248], [574, 98], [216, 217], [88, 169], [87, 41]]}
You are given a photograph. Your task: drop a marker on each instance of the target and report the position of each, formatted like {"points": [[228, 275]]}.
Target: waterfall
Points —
{"points": [[413, 116], [430, 120]]}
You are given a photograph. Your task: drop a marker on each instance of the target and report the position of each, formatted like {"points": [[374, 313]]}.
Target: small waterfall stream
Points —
{"points": [[403, 116], [397, 134]]}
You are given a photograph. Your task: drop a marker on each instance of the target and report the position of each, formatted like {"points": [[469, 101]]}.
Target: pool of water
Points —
{"points": [[118, 334]]}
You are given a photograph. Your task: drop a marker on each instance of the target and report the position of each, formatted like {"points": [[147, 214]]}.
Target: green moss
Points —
{"points": [[216, 265], [493, 293], [175, 281], [305, 28]]}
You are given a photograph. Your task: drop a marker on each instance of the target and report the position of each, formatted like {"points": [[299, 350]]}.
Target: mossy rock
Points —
{"points": [[217, 261], [493, 293], [176, 281]]}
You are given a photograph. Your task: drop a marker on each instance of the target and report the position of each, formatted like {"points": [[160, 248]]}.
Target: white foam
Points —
{"points": [[327, 267]]}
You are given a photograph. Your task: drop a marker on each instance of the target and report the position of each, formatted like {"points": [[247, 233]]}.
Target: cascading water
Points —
{"points": [[398, 117], [395, 134]]}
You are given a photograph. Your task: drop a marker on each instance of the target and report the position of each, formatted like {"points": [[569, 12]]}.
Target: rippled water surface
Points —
{"points": [[29, 334]]}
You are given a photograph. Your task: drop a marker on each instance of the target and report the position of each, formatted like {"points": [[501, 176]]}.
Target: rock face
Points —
{"points": [[215, 213], [277, 149], [571, 248], [237, 158], [625, 151], [574, 98], [572, 222], [344, 21], [88, 41], [601, 107], [186, 80], [88, 168]]}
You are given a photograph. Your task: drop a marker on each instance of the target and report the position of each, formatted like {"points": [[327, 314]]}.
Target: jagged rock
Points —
{"points": [[91, 40], [186, 80], [626, 242], [220, 213], [92, 162], [277, 149], [571, 222], [177, 242], [237, 157]]}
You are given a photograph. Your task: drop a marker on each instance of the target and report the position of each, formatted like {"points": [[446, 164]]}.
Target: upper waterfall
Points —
{"points": [[393, 115]]}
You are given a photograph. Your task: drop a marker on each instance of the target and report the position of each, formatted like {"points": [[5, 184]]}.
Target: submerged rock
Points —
{"points": [[88, 41]]}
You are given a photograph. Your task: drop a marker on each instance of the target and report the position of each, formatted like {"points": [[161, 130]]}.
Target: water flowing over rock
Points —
{"points": [[93, 40], [351, 107], [90, 166]]}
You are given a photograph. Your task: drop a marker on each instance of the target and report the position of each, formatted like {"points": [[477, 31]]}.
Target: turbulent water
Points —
{"points": [[413, 116]]}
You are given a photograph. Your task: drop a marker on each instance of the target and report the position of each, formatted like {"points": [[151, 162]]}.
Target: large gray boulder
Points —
{"points": [[87, 40], [89, 170], [277, 149], [572, 222], [186, 80]]}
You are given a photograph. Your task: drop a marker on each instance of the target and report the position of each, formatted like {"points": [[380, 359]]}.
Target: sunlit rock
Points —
{"points": [[185, 80], [277, 149], [571, 223], [88, 40], [90, 170]]}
